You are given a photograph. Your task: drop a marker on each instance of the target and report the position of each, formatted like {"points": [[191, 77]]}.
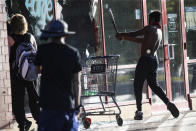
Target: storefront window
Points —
{"points": [[192, 77], [82, 17], [125, 89], [190, 17], [128, 17], [175, 50]]}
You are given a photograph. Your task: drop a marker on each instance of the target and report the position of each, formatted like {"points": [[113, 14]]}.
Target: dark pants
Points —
{"points": [[54, 120], [18, 87], [147, 70]]}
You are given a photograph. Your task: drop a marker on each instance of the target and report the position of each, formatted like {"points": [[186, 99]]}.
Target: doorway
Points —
{"points": [[172, 72]]}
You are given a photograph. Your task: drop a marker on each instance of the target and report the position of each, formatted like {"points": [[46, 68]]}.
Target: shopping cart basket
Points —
{"points": [[99, 79]]}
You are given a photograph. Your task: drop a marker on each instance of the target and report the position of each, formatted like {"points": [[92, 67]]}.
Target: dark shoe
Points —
{"points": [[138, 115], [27, 125], [173, 109], [21, 128]]}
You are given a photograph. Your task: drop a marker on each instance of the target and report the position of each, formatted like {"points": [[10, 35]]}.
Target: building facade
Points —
{"points": [[96, 36]]}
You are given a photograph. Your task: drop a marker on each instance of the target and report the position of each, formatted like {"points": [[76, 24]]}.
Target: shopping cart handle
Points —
{"points": [[108, 56]]}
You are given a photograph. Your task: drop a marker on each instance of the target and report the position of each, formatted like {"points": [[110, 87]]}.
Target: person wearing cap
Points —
{"points": [[147, 65], [60, 89]]}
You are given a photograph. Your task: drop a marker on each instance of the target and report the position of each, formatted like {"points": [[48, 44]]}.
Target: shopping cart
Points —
{"points": [[99, 79]]}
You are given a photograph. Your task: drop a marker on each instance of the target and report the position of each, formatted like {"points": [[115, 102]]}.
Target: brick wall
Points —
{"points": [[5, 91]]}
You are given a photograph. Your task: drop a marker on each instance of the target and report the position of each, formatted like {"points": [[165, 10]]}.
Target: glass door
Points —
{"points": [[175, 50], [172, 67], [190, 19]]}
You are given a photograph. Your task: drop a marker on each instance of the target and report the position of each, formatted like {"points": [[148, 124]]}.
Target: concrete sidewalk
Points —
{"points": [[160, 122], [164, 122]]}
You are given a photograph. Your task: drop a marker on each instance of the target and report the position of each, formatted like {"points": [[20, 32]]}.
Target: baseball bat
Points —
{"points": [[112, 19]]}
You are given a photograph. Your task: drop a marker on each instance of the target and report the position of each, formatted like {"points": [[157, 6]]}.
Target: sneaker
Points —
{"points": [[138, 115], [27, 125], [173, 109]]}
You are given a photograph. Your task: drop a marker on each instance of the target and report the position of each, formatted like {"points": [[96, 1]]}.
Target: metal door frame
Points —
{"points": [[183, 104]]}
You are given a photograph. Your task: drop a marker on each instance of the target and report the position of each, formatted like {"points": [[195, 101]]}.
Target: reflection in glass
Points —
{"points": [[78, 14], [124, 86], [190, 17], [128, 17], [192, 78], [176, 51]]}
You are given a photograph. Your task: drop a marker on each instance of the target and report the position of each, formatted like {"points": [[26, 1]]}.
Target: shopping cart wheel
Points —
{"points": [[119, 120], [86, 122]]}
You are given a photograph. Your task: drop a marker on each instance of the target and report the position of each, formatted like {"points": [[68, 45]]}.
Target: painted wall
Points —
{"points": [[37, 12]]}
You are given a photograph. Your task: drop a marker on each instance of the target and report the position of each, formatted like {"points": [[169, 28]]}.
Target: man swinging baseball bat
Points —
{"points": [[147, 65]]}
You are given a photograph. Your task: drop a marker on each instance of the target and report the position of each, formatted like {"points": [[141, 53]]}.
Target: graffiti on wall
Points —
{"points": [[41, 9], [37, 12]]}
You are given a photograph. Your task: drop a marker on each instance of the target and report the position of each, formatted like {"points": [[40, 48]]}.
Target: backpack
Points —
{"points": [[24, 62]]}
